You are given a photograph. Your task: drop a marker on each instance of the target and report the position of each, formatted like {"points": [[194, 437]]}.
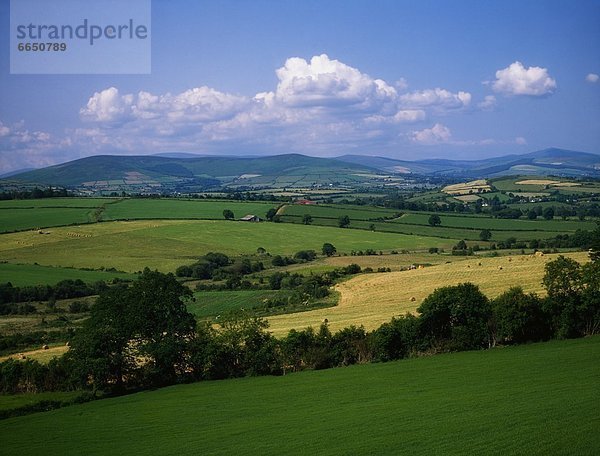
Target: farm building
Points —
{"points": [[305, 202], [250, 218]]}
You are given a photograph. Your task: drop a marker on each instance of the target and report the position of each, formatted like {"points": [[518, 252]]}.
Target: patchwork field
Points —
{"points": [[31, 274], [164, 245], [536, 399], [373, 299]]}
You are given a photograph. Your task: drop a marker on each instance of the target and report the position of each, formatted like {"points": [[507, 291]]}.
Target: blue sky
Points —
{"points": [[403, 79]]}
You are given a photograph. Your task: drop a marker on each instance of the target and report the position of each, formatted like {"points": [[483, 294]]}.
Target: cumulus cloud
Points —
{"points": [[592, 77], [23, 148], [440, 99], [518, 80], [438, 134], [318, 106], [488, 103]]}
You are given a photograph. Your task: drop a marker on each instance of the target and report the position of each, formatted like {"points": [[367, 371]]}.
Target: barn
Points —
{"points": [[250, 218]]}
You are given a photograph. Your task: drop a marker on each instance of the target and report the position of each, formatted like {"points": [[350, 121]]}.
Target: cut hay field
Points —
{"points": [[537, 399], [166, 244], [373, 299], [30, 274]]}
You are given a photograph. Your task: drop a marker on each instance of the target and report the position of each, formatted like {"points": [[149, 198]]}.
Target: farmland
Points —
{"points": [[164, 244], [32, 274], [477, 402], [372, 299]]}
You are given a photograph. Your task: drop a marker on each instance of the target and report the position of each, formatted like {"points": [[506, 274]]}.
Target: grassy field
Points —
{"points": [[31, 274], [215, 303], [182, 209], [17, 219], [12, 401], [164, 245], [373, 299], [536, 399]]}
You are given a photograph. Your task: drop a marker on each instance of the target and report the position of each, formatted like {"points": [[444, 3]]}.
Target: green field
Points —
{"points": [[537, 399], [12, 401], [215, 303], [182, 209], [30, 274], [15, 219], [164, 245]]}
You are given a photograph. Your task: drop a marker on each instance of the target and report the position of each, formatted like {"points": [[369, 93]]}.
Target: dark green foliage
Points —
{"points": [[305, 255], [455, 318], [344, 221], [434, 220], [228, 214], [307, 219], [573, 302], [328, 249], [519, 318], [485, 235], [148, 320], [396, 339], [271, 213], [548, 213]]}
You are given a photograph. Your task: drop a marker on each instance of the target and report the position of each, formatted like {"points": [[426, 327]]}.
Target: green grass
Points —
{"points": [[214, 303], [164, 245], [537, 400], [17, 219], [182, 209], [56, 202], [30, 274], [12, 401], [336, 211]]}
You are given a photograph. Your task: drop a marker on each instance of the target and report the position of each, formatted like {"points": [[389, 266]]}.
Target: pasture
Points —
{"points": [[31, 274], [132, 209], [536, 399], [373, 299], [215, 303], [167, 244]]}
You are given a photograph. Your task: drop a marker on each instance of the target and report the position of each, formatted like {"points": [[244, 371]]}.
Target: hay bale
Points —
{"points": [[500, 268], [45, 347], [413, 299]]}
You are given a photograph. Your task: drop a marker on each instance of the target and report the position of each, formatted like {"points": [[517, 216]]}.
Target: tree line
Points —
{"points": [[143, 336]]}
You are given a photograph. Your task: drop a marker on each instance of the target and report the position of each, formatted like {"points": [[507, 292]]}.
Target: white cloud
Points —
{"points": [[520, 141], [107, 106], [518, 80], [488, 103], [438, 134], [592, 77], [440, 99]]}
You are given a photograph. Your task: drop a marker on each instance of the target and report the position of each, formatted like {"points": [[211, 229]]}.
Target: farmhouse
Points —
{"points": [[250, 218]]}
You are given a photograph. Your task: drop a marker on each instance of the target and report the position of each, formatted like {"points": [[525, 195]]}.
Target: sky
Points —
{"points": [[402, 79]]}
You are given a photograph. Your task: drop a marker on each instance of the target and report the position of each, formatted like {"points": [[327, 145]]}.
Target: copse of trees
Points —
{"points": [[143, 336], [11, 296]]}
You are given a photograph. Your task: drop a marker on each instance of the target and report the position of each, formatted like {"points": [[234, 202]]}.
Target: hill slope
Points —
{"points": [[203, 172], [543, 162], [536, 399]]}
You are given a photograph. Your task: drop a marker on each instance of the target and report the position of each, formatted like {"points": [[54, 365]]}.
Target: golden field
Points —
{"points": [[373, 299]]}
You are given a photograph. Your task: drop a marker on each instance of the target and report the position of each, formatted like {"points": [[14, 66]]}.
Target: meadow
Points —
{"points": [[373, 299], [31, 274], [132, 209], [167, 244], [215, 303], [535, 399]]}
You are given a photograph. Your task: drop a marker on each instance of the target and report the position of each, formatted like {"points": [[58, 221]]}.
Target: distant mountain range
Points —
{"points": [[542, 162], [210, 171]]}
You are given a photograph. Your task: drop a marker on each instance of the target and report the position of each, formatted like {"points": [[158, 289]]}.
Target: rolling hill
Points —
{"points": [[186, 172], [544, 162]]}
